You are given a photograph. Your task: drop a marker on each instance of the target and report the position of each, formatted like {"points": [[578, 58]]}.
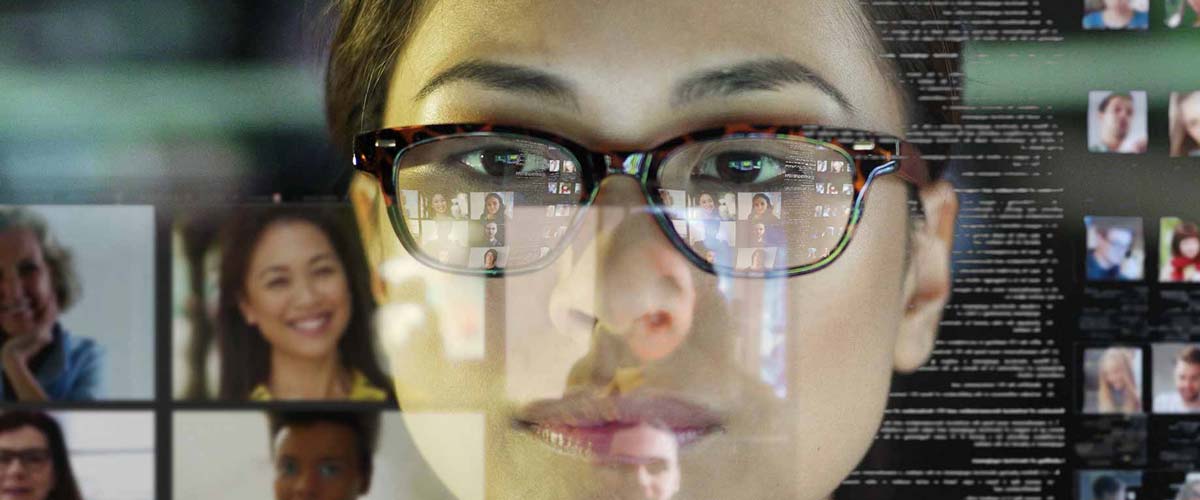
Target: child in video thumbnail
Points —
{"points": [[1181, 251], [323, 454]]}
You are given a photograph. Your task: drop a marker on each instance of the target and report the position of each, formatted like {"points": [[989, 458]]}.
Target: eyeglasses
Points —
{"points": [[740, 200], [31, 459]]}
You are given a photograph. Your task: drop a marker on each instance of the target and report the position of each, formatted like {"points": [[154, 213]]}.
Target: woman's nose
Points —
{"points": [[627, 279]]}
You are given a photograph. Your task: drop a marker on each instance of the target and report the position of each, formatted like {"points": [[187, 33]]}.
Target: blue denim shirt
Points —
{"points": [[72, 370]]}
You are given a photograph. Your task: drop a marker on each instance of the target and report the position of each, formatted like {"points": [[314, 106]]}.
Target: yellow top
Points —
{"points": [[360, 390]]}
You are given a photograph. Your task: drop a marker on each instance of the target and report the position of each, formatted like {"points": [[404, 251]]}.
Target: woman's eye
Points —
{"points": [[325, 271], [277, 283], [741, 167], [501, 162]]}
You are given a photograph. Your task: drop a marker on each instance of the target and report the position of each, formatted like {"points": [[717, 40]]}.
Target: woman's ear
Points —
{"points": [[365, 197], [927, 280], [247, 312]]}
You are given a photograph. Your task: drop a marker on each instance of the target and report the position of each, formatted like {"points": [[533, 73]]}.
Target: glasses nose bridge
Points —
{"points": [[631, 163]]}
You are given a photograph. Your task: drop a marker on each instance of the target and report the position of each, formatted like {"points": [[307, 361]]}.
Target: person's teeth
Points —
{"points": [[310, 324]]}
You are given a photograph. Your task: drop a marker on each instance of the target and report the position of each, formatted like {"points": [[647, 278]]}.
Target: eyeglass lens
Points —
{"points": [[498, 201]]}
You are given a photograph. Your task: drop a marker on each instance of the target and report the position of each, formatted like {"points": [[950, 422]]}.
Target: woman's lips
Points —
{"points": [[311, 325], [586, 427]]}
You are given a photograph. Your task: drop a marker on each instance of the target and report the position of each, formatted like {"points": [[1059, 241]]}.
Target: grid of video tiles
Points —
{"points": [[229, 350]]}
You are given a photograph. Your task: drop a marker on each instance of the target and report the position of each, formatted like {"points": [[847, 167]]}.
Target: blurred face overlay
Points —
{"points": [[1187, 382], [317, 461], [296, 291], [26, 471], [28, 303], [622, 370], [1115, 120]]}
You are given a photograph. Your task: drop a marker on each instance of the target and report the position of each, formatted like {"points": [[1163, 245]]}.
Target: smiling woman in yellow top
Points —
{"points": [[295, 310]]}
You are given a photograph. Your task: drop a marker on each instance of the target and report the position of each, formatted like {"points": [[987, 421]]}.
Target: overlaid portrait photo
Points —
{"points": [[1176, 382], [1117, 121], [76, 455], [274, 303], [1112, 380], [1115, 249], [1116, 14], [1109, 484], [293, 454], [1184, 116], [1179, 254], [77, 298]]}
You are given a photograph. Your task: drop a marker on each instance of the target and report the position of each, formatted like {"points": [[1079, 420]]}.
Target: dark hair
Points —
{"points": [[245, 354], [58, 259], [499, 213], [1104, 486], [369, 34], [65, 487], [364, 425], [1182, 232], [1110, 97], [1189, 355]]}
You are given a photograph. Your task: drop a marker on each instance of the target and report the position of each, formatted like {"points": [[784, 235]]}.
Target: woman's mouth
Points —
{"points": [[597, 429], [313, 325]]}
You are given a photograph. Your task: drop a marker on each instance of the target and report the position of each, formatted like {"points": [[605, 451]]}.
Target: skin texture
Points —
{"points": [[1189, 248], [622, 309], [297, 294], [28, 308], [1115, 121], [25, 482], [1190, 109], [1187, 382], [439, 205], [317, 462]]}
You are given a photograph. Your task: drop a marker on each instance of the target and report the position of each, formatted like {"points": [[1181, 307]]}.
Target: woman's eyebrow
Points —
{"points": [[506, 77], [752, 76], [724, 81]]}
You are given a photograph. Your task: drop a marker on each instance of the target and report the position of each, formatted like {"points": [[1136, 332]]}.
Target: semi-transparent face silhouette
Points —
{"points": [[768, 388]]}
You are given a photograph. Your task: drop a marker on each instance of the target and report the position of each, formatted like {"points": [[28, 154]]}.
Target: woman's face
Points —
{"points": [[492, 205], [1189, 248], [622, 330], [28, 304], [760, 206], [1113, 372], [489, 260], [26, 480], [1190, 109], [296, 291], [707, 205], [439, 204]]}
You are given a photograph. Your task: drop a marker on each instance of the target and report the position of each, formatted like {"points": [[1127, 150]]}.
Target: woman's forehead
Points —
{"points": [[629, 69]]}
